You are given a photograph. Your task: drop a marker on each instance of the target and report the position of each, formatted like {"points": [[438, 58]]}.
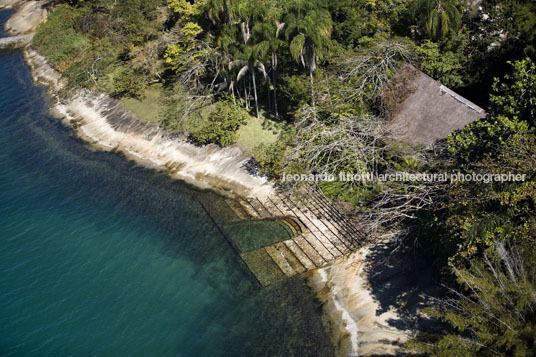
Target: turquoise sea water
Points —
{"points": [[101, 257]]}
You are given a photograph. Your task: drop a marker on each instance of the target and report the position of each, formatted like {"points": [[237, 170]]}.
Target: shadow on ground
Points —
{"points": [[401, 279]]}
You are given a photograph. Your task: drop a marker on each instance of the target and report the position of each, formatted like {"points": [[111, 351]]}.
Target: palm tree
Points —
{"points": [[222, 10], [437, 17], [269, 43], [236, 42], [248, 66], [249, 12], [309, 28]]}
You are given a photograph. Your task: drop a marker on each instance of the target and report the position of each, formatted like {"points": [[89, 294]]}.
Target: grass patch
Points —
{"points": [[149, 107], [258, 131]]}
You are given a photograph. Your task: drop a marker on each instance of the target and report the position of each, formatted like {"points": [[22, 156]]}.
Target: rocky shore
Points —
{"points": [[13, 42], [28, 16], [101, 121], [353, 313]]}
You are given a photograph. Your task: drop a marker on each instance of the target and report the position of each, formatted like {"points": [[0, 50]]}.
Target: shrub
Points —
{"points": [[127, 83], [58, 40], [270, 158], [222, 125], [445, 67]]}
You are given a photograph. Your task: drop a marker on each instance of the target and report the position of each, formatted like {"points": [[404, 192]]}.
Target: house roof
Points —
{"points": [[423, 110]]}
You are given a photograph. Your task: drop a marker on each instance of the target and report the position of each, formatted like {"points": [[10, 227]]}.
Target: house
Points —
{"points": [[422, 110]]}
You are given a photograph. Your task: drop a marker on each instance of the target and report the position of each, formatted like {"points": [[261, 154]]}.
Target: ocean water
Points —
{"points": [[101, 257]]}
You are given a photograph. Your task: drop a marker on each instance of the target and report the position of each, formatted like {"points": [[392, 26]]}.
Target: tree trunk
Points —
{"points": [[249, 91], [227, 13], [246, 99], [255, 93], [268, 96], [312, 89], [234, 100], [274, 70]]}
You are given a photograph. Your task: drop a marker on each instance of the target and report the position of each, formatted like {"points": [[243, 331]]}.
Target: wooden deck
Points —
{"points": [[321, 234]]}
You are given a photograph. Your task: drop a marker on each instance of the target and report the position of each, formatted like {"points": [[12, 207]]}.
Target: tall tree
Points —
{"points": [[494, 315], [436, 17], [309, 28], [221, 10], [268, 35], [248, 13]]}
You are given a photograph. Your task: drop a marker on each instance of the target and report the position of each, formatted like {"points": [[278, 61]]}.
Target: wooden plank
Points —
{"points": [[290, 257], [280, 260], [308, 249], [300, 255]]}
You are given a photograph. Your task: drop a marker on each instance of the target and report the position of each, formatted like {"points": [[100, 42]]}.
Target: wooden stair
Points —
{"points": [[320, 234]]}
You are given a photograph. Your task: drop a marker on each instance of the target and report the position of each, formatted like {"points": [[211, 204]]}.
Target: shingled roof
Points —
{"points": [[423, 110]]}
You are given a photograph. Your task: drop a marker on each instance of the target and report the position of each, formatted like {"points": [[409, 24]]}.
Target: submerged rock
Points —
{"points": [[9, 43]]}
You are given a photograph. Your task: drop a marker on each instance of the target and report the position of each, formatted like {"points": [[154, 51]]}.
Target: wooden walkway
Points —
{"points": [[320, 234]]}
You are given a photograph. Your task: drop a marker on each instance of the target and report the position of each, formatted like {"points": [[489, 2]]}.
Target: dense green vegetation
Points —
{"points": [[308, 81], [488, 231]]}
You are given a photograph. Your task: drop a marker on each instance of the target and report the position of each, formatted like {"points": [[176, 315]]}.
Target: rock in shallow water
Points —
{"points": [[9, 43]]}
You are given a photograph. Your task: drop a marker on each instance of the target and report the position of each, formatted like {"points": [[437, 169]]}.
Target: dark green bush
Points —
{"points": [[127, 83], [271, 158], [222, 125]]}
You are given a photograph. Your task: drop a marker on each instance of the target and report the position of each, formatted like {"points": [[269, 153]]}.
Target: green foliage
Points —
{"points": [[95, 67], [89, 41], [58, 40], [512, 111], [503, 139], [222, 125], [493, 314], [446, 67], [135, 20], [491, 229], [182, 54], [515, 17], [126, 83], [271, 158], [295, 92], [356, 22], [436, 18], [354, 194], [516, 96], [186, 8], [309, 31], [503, 211]]}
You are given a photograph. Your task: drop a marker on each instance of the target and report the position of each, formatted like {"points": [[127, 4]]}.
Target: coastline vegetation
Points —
{"points": [[304, 86]]}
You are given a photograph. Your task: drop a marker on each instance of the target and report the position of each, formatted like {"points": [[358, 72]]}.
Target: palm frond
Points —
{"points": [[242, 73], [297, 46]]}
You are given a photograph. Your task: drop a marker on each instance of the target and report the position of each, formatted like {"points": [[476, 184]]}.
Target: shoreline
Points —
{"points": [[342, 287], [99, 120], [359, 326]]}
